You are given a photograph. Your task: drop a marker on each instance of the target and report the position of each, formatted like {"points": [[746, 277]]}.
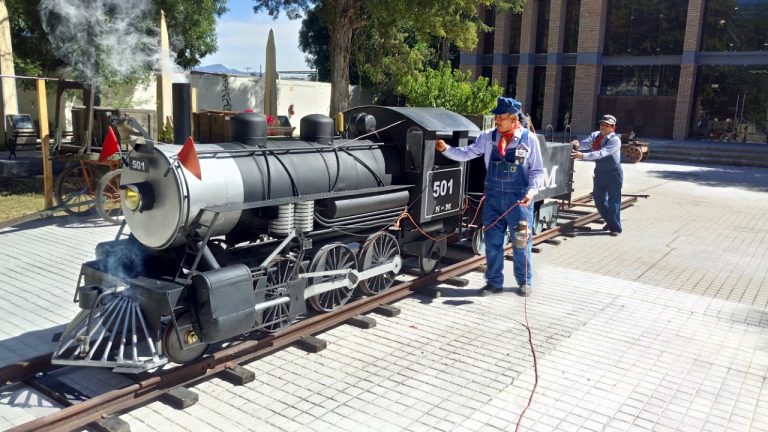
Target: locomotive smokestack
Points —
{"points": [[182, 112]]}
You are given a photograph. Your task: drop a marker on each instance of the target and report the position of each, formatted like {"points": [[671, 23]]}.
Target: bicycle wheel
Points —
{"points": [[108, 197], [74, 188]]}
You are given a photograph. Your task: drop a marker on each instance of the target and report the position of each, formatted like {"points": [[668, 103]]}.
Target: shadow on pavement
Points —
{"points": [[749, 178]]}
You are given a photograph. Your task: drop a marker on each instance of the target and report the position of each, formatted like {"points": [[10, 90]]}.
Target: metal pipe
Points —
{"points": [[182, 112], [269, 303]]}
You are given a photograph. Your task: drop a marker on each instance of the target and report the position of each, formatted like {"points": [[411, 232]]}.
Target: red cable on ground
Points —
{"points": [[530, 342]]}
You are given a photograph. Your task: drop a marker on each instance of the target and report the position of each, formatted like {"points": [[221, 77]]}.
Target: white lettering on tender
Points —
{"points": [[550, 181]]}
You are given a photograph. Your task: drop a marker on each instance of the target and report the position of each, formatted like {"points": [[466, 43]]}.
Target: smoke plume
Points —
{"points": [[102, 39]]}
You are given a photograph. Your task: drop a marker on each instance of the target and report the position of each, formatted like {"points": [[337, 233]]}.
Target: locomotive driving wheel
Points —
{"points": [[174, 350], [330, 257], [279, 272], [378, 249]]}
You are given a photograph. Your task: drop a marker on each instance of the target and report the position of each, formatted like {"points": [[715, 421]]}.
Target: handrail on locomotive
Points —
{"points": [[274, 227]]}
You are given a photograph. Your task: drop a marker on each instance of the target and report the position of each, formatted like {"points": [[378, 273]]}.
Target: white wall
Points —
{"points": [[307, 97]]}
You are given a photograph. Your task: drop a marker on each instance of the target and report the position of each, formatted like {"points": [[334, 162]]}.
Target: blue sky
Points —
{"points": [[242, 39]]}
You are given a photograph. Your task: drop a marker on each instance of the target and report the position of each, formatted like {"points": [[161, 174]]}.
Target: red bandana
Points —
{"points": [[505, 140], [596, 143]]}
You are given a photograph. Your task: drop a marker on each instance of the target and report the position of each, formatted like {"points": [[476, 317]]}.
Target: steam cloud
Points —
{"points": [[100, 38]]}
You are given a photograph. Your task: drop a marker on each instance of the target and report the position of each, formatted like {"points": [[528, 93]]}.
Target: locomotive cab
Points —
{"points": [[437, 184]]}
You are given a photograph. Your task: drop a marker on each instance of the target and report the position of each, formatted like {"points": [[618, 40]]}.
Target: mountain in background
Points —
{"points": [[220, 69]]}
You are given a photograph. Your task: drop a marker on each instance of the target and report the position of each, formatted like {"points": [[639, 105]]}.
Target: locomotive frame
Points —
{"points": [[265, 239]]}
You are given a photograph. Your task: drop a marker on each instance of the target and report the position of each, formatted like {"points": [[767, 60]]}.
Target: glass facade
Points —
{"points": [[735, 25], [515, 26], [511, 90], [731, 103], [542, 27], [571, 33], [536, 110], [639, 80], [640, 66], [565, 105], [645, 27], [488, 37]]}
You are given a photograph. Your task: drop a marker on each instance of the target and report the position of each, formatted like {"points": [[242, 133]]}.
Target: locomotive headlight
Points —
{"points": [[138, 196], [132, 198]]}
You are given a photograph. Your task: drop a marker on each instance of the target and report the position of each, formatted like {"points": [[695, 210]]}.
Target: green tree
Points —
{"points": [[400, 26], [453, 90], [192, 26]]}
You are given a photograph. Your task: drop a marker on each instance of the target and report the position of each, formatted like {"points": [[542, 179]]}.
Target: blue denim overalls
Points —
{"points": [[606, 191], [506, 183]]}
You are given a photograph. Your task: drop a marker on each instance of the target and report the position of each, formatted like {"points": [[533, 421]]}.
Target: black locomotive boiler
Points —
{"points": [[272, 228]]}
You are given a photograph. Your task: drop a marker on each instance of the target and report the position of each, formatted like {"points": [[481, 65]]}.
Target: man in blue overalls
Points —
{"points": [[514, 173], [604, 147]]}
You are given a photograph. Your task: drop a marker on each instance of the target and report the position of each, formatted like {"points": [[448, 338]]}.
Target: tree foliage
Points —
{"points": [[192, 26], [452, 89], [387, 38]]}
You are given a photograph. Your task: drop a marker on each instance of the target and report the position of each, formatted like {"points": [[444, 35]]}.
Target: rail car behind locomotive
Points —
{"points": [[271, 227]]}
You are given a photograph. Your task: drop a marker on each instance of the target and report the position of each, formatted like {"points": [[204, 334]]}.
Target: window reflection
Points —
{"points": [[735, 25], [565, 106], [730, 103], [645, 27], [515, 25], [537, 102], [511, 90], [488, 37], [571, 34], [542, 27], [639, 80]]}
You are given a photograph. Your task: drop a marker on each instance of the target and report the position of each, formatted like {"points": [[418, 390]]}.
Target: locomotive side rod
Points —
{"points": [[150, 387]]}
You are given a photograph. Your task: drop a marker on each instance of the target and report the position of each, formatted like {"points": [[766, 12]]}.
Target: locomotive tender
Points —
{"points": [[272, 226]]}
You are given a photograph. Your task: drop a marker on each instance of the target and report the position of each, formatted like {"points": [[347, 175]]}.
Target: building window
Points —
{"points": [[565, 106], [515, 25], [645, 27], [735, 25], [571, 34], [488, 38], [542, 27], [639, 80], [511, 90], [731, 103], [536, 111], [487, 72]]}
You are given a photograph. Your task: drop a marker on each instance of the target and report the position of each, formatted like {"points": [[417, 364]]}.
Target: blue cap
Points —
{"points": [[506, 106]]}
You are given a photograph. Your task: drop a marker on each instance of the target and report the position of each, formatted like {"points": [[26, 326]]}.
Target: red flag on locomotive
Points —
{"points": [[188, 158], [109, 146]]}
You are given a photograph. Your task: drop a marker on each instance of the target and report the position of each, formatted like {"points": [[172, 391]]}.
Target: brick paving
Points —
{"points": [[661, 329]]}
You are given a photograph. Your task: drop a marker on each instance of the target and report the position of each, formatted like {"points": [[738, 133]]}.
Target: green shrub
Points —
{"points": [[453, 90]]}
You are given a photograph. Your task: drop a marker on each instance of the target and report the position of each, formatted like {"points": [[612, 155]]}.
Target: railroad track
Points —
{"points": [[149, 386]]}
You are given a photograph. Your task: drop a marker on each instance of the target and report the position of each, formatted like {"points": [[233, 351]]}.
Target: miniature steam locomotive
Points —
{"points": [[272, 227]]}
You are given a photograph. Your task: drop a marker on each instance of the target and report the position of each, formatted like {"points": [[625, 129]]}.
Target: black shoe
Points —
{"points": [[488, 290], [614, 233]]}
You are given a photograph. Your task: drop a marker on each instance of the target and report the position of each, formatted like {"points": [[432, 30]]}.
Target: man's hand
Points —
{"points": [[440, 145], [575, 144], [526, 200], [577, 155]]}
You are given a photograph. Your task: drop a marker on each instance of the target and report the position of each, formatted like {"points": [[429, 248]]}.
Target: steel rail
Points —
{"points": [[152, 386]]}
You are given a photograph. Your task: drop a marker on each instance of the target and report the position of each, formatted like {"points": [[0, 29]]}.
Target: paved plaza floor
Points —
{"points": [[663, 328]]}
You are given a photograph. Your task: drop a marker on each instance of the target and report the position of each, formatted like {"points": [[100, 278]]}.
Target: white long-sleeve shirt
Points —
{"points": [[609, 146], [483, 145]]}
